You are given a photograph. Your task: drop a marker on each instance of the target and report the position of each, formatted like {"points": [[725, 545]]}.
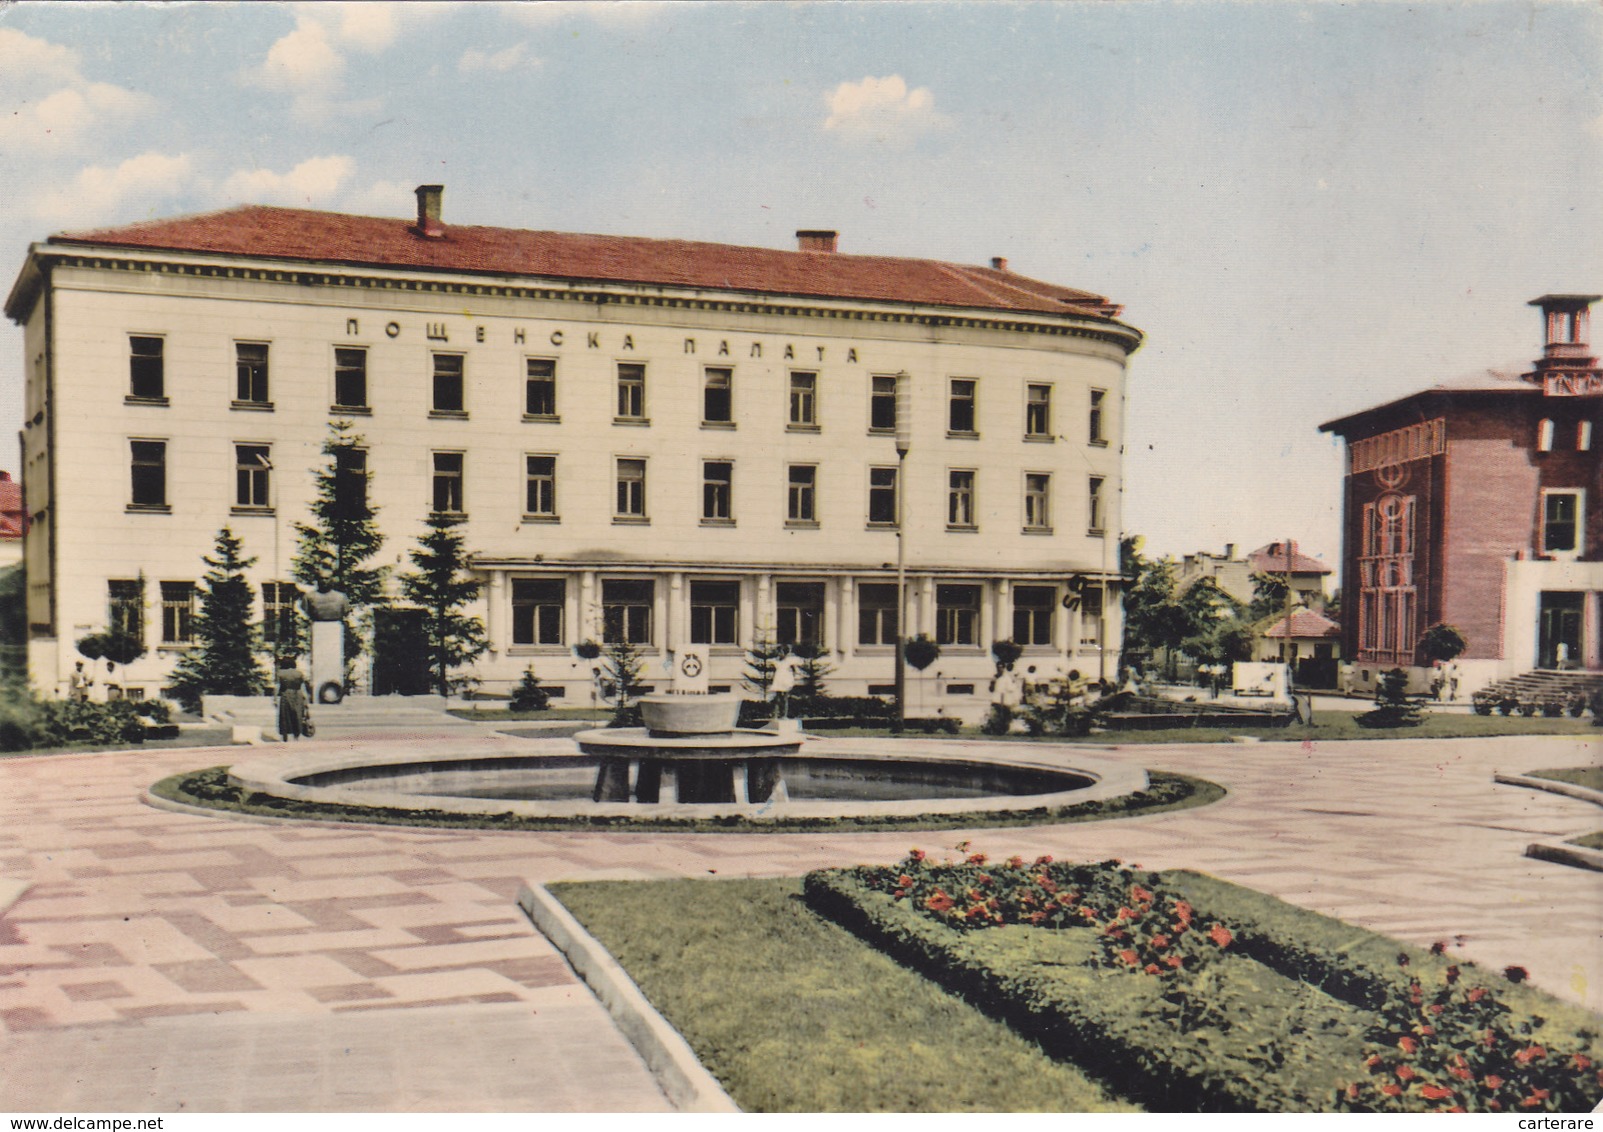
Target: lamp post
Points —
{"points": [[278, 582], [904, 441]]}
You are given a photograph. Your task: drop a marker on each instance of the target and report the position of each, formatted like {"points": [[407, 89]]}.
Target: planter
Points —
{"points": [[690, 714]]}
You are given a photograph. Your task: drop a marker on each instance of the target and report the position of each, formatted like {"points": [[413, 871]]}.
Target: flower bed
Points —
{"points": [[1188, 993]]}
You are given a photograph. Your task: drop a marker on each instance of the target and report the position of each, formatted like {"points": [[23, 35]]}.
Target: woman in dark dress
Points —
{"points": [[291, 700]]}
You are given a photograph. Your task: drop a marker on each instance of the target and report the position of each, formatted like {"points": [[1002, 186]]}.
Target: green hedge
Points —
{"points": [[1285, 1019]]}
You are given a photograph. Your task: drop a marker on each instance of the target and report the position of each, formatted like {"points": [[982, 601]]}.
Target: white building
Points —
{"points": [[687, 443]]}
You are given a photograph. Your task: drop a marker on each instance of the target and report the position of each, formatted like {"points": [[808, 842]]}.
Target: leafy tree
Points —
{"points": [[1268, 596], [1442, 642], [333, 549], [223, 658], [442, 586], [1154, 619]]}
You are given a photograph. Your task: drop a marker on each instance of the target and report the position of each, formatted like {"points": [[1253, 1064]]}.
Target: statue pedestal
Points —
{"points": [[328, 658]]}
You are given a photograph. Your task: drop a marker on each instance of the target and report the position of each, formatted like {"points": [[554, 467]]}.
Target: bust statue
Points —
{"points": [[326, 605]]}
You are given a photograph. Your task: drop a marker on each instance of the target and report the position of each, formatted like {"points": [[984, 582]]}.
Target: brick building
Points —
{"points": [[1479, 504], [682, 444]]}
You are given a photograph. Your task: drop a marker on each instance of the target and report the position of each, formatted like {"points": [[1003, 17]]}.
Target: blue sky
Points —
{"points": [[1308, 207]]}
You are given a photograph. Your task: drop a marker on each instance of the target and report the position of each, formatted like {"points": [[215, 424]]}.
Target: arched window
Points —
{"points": [[1544, 436]]}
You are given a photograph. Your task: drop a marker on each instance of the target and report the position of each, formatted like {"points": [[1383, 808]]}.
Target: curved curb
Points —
{"points": [[1576, 856], [669, 1057], [1551, 785]]}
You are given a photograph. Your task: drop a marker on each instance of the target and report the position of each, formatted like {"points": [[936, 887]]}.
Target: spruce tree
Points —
{"points": [[442, 587], [223, 659], [762, 659]]}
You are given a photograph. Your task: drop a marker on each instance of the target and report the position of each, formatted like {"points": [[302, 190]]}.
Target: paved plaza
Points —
{"points": [[162, 961]]}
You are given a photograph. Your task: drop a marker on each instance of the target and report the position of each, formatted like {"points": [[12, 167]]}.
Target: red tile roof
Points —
{"points": [[1271, 559], [13, 517], [329, 237], [1305, 624]]}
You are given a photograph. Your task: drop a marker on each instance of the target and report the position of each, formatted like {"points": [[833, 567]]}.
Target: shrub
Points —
{"points": [[1552, 709], [1005, 653], [1394, 707], [866, 708], [999, 721], [587, 650], [528, 695], [1576, 705], [1528, 708], [921, 652], [929, 726], [1483, 703], [1597, 708]]}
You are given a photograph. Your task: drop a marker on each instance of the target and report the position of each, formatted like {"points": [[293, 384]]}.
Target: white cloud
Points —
{"points": [[381, 198], [542, 13], [499, 62], [139, 187], [315, 181], [53, 107], [308, 62], [882, 110], [303, 63]]}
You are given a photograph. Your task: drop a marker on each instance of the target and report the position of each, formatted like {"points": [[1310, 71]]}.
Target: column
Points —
{"points": [[585, 614], [988, 613], [1066, 629], [926, 607], [495, 611], [846, 620], [764, 618], [674, 628], [1592, 629], [831, 625]]}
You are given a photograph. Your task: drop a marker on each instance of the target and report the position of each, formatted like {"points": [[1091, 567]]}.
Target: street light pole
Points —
{"points": [[278, 582], [904, 442]]}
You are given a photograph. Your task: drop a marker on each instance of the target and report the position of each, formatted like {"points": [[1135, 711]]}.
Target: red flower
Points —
{"points": [[1140, 895], [1043, 859], [975, 859], [1428, 1031], [1434, 1008], [1407, 1044], [1352, 1091], [1438, 947], [1015, 862], [1494, 1106], [1461, 1074], [1152, 969], [1174, 961], [1476, 994], [1406, 1073], [1159, 942], [1126, 914], [1220, 935], [1392, 1090], [983, 878], [1529, 1054], [1581, 1061], [1129, 957], [917, 854], [1452, 973], [939, 902], [1493, 1081], [1435, 1092], [1182, 911], [1371, 1061], [904, 881]]}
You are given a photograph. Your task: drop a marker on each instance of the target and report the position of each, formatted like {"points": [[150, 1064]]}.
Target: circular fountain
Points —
{"points": [[689, 751]]}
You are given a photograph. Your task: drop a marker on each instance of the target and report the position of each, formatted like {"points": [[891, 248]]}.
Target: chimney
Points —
{"points": [[998, 263], [816, 240], [428, 211], [1230, 551]]}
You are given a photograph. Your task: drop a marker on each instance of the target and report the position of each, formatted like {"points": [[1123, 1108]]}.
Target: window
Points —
{"points": [[1038, 501], [540, 388], [448, 482], [882, 405], [882, 496], [1561, 511], [350, 377], [631, 488], [1096, 521], [146, 369], [1038, 411], [278, 611], [537, 605], [1091, 617], [1034, 608], [149, 473], [960, 498], [716, 479], [960, 407], [803, 400], [177, 613], [801, 613], [448, 394], [1098, 396], [876, 614], [631, 391], [350, 483], [626, 611], [957, 615], [717, 400], [800, 506], [253, 468], [1583, 436], [714, 613], [250, 364], [125, 612], [540, 486]]}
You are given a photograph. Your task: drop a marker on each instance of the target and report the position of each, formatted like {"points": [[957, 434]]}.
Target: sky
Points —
{"points": [[1308, 208]]}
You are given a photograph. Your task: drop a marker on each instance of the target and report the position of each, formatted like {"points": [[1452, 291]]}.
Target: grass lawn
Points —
{"points": [[197, 737], [1590, 777], [819, 1021], [505, 715]]}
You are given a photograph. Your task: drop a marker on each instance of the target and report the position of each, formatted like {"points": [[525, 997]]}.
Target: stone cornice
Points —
{"points": [[662, 296]]}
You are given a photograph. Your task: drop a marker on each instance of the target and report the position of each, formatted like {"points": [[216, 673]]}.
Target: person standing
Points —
{"points": [[79, 684], [292, 704]]}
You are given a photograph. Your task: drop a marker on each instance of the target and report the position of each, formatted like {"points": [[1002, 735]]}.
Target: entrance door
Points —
{"points": [[400, 653], [1559, 642]]}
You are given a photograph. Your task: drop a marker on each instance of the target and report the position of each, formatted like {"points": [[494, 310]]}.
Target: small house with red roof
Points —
{"points": [[13, 520]]}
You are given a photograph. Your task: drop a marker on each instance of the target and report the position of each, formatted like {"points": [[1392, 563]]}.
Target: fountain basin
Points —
{"points": [[698, 713]]}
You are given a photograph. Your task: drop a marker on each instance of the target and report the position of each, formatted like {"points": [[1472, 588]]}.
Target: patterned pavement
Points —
{"points": [[163, 961]]}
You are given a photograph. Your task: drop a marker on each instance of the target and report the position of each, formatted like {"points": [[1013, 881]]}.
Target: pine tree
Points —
{"points": [[443, 588], [762, 658], [223, 659], [622, 669], [810, 676]]}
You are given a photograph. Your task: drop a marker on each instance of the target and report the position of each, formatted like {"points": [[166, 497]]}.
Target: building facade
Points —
{"points": [[1480, 505], [682, 444]]}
